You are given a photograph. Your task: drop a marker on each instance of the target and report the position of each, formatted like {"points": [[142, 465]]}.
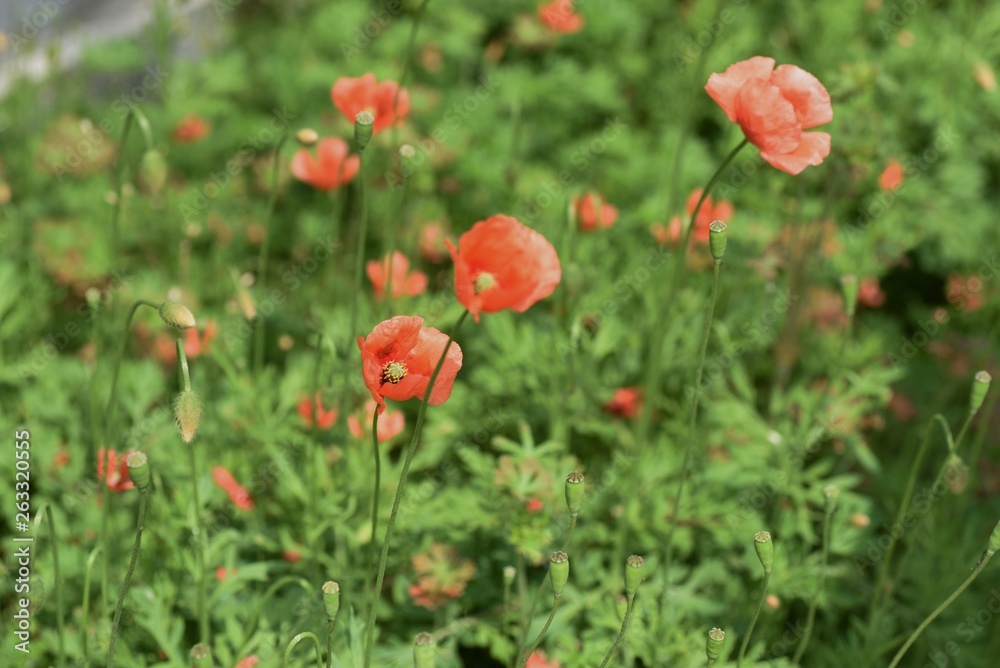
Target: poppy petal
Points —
{"points": [[812, 150], [767, 118], [808, 96], [724, 87]]}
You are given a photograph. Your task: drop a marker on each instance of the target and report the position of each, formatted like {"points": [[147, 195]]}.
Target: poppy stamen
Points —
{"points": [[393, 372], [484, 281]]}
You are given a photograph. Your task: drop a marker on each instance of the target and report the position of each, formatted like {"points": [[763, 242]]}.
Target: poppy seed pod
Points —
{"points": [[138, 469], [331, 599], [980, 386], [187, 414], [559, 572], [307, 137], [765, 549], [621, 605], [994, 544], [717, 239], [152, 172], [831, 493], [424, 651], [176, 315], [575, 487], [201, 656], [633, 574], [849, 286], [713, 648], [363, 123]]}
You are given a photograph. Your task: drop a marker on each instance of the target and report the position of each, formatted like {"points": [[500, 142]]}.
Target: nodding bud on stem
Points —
{"points": [[980, 386], [994, 544], [152, 172], [424, 651], [307, 137], [138, 469], [849, 286], [187, 414], [717, 239], [713, 648], [831, 493], [765, 549], [575, 486], [633, 574], [201, 655], [363, 124], [331, 599], [559, 572], [177, 315], [621, 605]]}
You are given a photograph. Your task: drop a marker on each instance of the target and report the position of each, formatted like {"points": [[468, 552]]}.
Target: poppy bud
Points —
{"points": [[201, 655], [849, 286], [138, 469], [187, 414], [956, 474], [980, 386], [307, 137], [406, 159], [831, 493], [633, 574], [424, 651], [152, 172], [717, 239], [621, 605], [714, 646], [994, 541], [363, 123], [331, 599], [574, 492], [509, 573], [176, 315], [559, 572], [765, 549]]}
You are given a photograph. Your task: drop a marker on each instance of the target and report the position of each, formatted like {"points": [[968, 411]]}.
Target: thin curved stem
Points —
{"points": [[811, 617], [312, 469], [359, 263], [541, 634], [753, 620], [621, 633], [378, 473], [199, 549], [47, 510], [269, 592], [410, 452], [265, 251], [143, 494], [109, 409], [299, 638], [86, 604]]}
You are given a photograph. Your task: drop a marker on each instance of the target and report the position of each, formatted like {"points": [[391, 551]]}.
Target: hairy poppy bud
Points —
{"points": [[621, 605], [331, 599], [187, 414], [994, 544], [152, 172], [956, 474], [559, 572], [363, 123], [849, 286], [717, 239], [176, 315], [980, 386], [574, 492], [307, 137], [138, 469], [765, 549], [633, 574], [201, 655], [424, 651], [831, 493], [714, 646]]}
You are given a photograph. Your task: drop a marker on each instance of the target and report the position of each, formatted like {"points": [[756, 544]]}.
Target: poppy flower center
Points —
{"points": [[393, 372], [484, 281]]}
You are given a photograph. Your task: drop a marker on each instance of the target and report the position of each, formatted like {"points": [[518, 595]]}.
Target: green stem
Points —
{"points": [[330, 624], [541, 634], [143, 494], [312, 468], [47, 509], [753, 620], [269, 592], [200, 540], [296, 640], [410, 452], [621, 633], [359, 263], [109, 409], [86, 604], [378, 473], [265, 250], [948, 601], [811, 617]]}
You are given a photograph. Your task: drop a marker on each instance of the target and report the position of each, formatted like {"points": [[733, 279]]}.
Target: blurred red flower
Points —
{"points": [[709, 212], [892, 176], [441, 575], [431, 245], [190, 128], [773, 106], [237, 493], [325, 418], [592, 212], [352, 96], [249, 662], [390, 423], [117, 478], [403, 282], [870, 293], [291, 556], [197, 342], [503, 264], [538, 659], [963, 292], [560, 16], [533, 505], [624, 403], [331, 168], [399, 356], [665, 234]]}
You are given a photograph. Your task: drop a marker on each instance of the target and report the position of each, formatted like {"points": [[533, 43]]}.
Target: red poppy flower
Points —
{"points": [[709, 212], [539, 660], [117, 479], [325, 418], [352, 96], [330, 169], [593, 212], [665, 234], [503, 264], [291, 556], [190, 128], [432, 242], [625, 402], [773, 106], [221, 573], [870, 293], [403, 282], [560, 16], [892, 176], [237, 493], [390, 423], [399, 356], [533, 505], [249, 662], [197, 342]]}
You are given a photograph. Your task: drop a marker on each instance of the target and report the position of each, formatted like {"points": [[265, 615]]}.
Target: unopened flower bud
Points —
{"points": [[849, 286], [152, 172], [201, 655], [363, 124], [331, 599], [994, 541], [509, 573], [187, 414], [713, 647], [717, 239], [424, 651], [559, 572], [307, 137], [138, 469], [765, 549], [575, 487], [831, 493], [980, 386], [407, 162], [621, 605], [633, 574], [956, 474], [177, 315]]}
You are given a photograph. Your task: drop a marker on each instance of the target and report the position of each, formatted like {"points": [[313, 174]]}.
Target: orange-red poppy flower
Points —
{"points": [[330, 169], [291, 556], [190, 128], [593, 212], [237, 493], [221, 573], [538, 659], [399, 356], [533, 505], [560, 16], [625, 402], [117, 479], [324, 418], [390, 423], [431, 245], [352, 96], [197, 342], [249, 662], [773, 106], [870, 293], [709, 212], [665, 234], [503, 264], [892, 176], [403, 282]]}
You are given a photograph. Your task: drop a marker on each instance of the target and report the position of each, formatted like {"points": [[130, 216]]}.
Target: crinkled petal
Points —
{"points": [[808, 96], [767, 118], [724, 87], [812, 150]]}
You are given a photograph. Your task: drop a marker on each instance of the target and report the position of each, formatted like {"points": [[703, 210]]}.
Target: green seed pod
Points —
{"points": [[994, 545], [424, 651], [980, 386], [831, 493], [633, 574], [187, 414], [138, 469], [714, 646], [331, 599], [575, 486], [201, 656], [152, 172], [363, 124], [559, 572], [717, 239], [176, 315], [621, 605], [849, 286], [765, 549]]}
